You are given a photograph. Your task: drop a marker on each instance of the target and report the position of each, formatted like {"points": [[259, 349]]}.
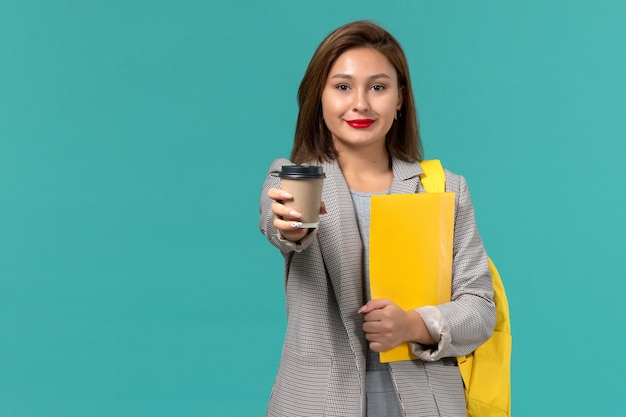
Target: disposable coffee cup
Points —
{"points": [[304, 183]]}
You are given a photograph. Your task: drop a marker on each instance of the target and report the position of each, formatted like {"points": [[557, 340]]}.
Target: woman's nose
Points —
{"points": [[360, 101]]}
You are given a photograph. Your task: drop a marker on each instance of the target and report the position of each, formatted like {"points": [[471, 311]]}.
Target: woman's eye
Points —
{"points": [[378, 87], [342, 87]]}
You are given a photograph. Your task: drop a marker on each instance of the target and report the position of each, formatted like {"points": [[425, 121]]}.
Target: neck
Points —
{"points": [[366, 171]]}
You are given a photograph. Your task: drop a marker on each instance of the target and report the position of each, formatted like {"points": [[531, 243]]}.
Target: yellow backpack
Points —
{"points": [[486, 372]]}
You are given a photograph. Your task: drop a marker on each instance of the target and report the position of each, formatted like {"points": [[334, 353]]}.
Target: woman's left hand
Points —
{"points": [[386, 325]]}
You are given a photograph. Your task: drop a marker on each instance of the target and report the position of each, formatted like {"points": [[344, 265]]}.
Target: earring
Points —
{"points": [[398, 114]]}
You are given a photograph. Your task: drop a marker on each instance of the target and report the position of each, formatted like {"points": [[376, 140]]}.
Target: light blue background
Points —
{"points": [[135, 136]]}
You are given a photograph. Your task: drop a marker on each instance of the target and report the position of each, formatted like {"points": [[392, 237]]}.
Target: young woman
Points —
{"points": [[357, 120]]}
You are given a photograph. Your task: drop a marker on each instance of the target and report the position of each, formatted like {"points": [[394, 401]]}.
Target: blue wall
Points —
{"points": [[134, 138]]}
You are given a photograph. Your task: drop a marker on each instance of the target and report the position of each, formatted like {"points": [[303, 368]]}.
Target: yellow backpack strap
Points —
{"points": [[434, 181], [486, 371], [433, 178]]}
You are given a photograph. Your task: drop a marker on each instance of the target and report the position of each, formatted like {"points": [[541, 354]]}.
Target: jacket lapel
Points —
{"points": [[406, 177], [341, 245]]}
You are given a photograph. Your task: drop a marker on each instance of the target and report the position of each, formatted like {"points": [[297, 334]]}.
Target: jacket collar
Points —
{"points": [[405, 176]]}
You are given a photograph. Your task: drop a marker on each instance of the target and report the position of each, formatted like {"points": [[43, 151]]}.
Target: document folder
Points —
{"points": [[411, 237]]}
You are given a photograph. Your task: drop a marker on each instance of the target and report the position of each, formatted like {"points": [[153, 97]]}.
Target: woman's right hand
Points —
{"points": [[288, 221]]}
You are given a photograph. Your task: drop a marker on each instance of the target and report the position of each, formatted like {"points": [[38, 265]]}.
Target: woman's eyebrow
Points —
{"points": [[371, 77]]}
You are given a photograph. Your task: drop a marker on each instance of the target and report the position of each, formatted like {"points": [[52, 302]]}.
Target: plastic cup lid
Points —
{"points": [[301, 172]]}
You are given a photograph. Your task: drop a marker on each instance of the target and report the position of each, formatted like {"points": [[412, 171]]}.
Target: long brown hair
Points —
{"points": [[312, 140]]}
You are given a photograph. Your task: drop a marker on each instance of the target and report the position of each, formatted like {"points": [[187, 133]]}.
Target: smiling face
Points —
{"points": [[360, 99]]}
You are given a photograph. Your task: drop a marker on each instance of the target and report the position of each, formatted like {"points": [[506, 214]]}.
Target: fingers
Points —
{"points": [[279, 209], [377, 347], [285, 218], [376, 304], [380, 340], [375, 319], [323, 208], [278, 194], [383, 324], [285, 214], [287, 221]]}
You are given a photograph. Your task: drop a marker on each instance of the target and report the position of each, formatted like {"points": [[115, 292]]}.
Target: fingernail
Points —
{"points": [[296, 225], [285, 194], [294, 213], [360, 310]]}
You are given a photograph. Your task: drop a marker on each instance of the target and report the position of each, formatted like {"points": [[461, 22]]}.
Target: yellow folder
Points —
{"points": [[411, 237]]}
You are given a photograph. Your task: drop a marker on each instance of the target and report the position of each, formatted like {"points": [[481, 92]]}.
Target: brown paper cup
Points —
{"points": [[304, 183], [307, 197]]}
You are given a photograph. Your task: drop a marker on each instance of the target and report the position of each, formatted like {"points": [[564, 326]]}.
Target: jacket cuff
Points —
{"points": [[439, 329], [298, 246]]}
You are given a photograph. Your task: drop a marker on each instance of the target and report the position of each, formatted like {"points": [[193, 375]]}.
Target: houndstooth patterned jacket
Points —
{"points": [[322, 367]]}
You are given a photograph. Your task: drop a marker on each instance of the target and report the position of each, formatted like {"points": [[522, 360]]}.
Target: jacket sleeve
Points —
{"points": [[266, 220], [467, 321]]}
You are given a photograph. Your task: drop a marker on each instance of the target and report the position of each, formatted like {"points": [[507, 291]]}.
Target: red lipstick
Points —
{"points": [[360, 123]]}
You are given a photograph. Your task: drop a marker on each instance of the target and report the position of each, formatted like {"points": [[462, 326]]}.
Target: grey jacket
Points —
{"points": [[322, 368]]}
